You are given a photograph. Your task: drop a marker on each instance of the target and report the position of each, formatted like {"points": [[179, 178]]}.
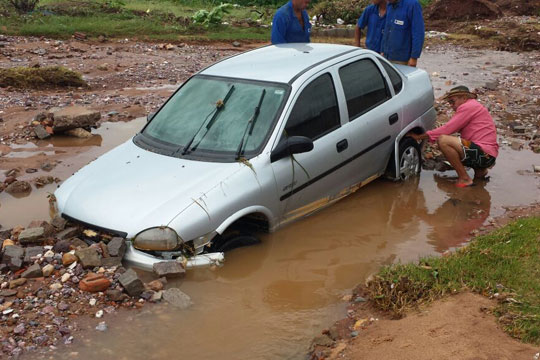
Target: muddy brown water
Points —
{"points": [[269, 300]]}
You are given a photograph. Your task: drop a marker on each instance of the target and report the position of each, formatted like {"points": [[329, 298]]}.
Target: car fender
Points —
{"points": [[425, 122], [246, 211]]}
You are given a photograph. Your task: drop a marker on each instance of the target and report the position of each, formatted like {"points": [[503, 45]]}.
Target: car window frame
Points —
{"points": [[305, 84], [382, 71], [389, 80], [155, 145]]}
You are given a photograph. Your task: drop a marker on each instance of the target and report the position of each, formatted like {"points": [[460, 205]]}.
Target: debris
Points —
{"points": [[31, 236], [73, 117], [177, 298], [102, 326], [117, 247], [68, 258], [41, 133], [48, 270], [33, 271], [169, 269], [18, 187], [94, 283], [88, 257], [13, 257], [131, 283]]}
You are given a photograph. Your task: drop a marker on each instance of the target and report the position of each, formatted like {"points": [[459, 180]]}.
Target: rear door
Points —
{"points": [[374, 116]]}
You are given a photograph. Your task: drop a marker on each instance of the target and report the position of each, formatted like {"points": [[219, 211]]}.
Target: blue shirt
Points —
{"points": [[403, 36], [375, 24], [287, 29]]}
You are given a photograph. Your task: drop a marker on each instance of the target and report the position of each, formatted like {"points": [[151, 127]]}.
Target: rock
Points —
{"points": [[73, 117], [48, 229], [79, 133], [32, 252], [17, 282], [168, 269], [155, 285], [8, 292], [147, 295], [103, 67], [117, 247], [33, 271], [491, 85], [7, 242], [18, 187], [177, 298], [102, 326], [62, 246], [518, 129], [59, 222], [89, 258], [78, 243], [19, 329], [13, 257], [536, 168], [323, 340], [110, 262], [67, 233], [68, 259], [63, 306], [94, 283], [47, 270], [40, 132], [131, 283], [41, 181], [516, 145], [236, 44], [55, 286], [65, 277], [115, 295], [158, 295]]}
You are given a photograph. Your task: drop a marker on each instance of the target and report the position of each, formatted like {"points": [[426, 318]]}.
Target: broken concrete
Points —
{"points": [[131, 283], [74, 117], [32, 236], [88, 257]]}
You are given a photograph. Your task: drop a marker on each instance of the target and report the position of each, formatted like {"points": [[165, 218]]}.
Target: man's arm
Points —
{"points": [[418, 33], [279, 29], [357, 36]]}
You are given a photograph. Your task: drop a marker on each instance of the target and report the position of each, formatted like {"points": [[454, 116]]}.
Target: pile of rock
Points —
{"points": [[13, 185], [74, 121], [50, 273]]}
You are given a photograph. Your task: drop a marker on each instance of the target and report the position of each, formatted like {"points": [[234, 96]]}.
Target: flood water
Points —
{"points": [[269, 300]]}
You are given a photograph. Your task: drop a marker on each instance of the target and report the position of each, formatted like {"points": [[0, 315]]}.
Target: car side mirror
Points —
{"points": [[150, 116], [290, 146]]}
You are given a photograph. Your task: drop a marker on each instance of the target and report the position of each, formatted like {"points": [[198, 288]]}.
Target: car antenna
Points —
{"points": [[250, 124], [220, 105]]}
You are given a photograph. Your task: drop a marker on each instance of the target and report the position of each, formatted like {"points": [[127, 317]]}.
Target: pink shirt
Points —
{"points": [[473, 122]]}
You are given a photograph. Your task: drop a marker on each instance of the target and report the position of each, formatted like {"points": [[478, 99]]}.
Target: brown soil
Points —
{"points": [[460, 10], [459, 327]]}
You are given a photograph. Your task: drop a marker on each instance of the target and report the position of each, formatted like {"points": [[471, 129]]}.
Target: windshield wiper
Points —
{"points": [[219, 106], [250, 124]]}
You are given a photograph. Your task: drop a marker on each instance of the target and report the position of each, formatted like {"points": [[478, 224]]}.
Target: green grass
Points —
{"points": [[506, 262], [160, 20]]}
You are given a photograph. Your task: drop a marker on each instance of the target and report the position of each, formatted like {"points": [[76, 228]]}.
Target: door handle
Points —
{"points": [[393, 119], [342, 145]]}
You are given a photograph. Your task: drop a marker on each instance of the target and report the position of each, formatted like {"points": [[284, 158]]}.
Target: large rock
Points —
{"points": [[168, 269], [31, 236], [32, 252], [67, 233], [89, 258], [117, 247], [33, 271], [73, 117], [18, 187], [131, 283], [177, 298], [62, 246], [13, 257]]}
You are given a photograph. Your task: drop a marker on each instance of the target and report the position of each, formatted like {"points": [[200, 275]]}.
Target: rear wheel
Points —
{"points": [[231, 240], [410, 161]]}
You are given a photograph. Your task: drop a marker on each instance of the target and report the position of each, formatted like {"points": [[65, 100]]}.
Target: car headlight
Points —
{"points": [[158, 239]]}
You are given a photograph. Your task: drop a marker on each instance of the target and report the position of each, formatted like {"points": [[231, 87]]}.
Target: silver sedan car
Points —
{"points": [[250, 144]]}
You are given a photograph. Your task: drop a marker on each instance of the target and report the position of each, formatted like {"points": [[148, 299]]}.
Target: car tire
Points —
{"points": [[232, 240], [410, 160]]}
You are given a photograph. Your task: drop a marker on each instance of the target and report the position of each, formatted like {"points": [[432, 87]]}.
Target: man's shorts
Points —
{"points": [[475, 157]]}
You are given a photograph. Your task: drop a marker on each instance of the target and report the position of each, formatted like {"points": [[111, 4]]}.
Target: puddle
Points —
{"points": [[268, 301]]}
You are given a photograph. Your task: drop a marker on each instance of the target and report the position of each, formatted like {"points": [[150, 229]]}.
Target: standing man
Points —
{"points": [[374, 17], [291, 23], [404, 32], [476, 147]]}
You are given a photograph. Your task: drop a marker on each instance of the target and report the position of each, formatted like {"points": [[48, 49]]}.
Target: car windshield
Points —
{"points": [[211, 115]]}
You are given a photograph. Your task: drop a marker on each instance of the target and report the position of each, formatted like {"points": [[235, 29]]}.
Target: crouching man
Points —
{"points": [[476, 146]]}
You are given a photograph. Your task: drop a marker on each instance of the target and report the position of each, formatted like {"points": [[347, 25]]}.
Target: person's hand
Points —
{"points": [[415, 136], [412, 62]]}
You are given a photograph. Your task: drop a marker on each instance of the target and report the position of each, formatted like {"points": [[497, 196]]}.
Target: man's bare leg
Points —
{"points": [[452, 150], [480, 174]]}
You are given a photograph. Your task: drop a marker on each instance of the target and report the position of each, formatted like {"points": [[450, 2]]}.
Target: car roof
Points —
{"points": [[277, 63]]}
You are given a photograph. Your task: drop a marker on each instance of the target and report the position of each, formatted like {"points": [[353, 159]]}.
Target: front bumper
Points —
{"points": [[146, 261]]}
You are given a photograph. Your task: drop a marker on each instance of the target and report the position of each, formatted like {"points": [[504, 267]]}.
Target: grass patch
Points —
{"points": [[40, 78], [506, 262]]}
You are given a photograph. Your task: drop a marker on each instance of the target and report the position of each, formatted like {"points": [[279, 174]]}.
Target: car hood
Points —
{"points": [[130, 189]]}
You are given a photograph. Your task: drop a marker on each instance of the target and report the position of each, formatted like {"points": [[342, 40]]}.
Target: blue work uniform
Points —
{"points": [[375, 24], [286, 27], [404, 31]]}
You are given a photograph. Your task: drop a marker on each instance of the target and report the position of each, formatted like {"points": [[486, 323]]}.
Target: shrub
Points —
{"points": [[347, 10], [24, 6]]}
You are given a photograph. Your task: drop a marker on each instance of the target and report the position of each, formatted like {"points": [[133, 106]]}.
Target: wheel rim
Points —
{"points": [[409, 164]]}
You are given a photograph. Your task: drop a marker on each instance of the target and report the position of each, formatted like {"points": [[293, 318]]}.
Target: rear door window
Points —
{"points": [[364, 87], [316, 110], [395, 79]]}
